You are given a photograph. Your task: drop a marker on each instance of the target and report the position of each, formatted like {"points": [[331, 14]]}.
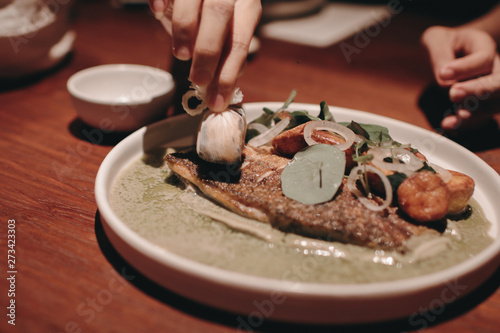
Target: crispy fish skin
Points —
{"points": [[254, 191]]}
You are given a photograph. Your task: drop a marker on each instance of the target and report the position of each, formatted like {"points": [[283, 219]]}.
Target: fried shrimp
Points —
{"points": [[461, 188], [424, 197]]}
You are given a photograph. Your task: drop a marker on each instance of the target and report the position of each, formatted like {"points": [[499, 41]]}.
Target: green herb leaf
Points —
{"points": [[371, 132], [289, 100], [363, 158], [325, 113], [396, 179], [358, 148], [427, 167], [302, 116], [377, 133], [314, 175], [358, 129], [250, 134], [267, 117]]}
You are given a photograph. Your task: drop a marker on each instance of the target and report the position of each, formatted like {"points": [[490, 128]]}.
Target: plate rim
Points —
{"points": [[267, 285]]}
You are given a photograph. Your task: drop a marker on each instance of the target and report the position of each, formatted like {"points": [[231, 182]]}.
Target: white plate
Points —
{"points": [[256, 298]]}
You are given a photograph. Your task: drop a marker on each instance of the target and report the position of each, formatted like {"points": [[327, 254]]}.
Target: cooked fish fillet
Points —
{"points": [[254, 190]]}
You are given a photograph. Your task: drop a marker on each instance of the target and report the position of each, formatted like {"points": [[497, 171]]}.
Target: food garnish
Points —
{"points": [[375, 165], [349, 182], [314, 175], [221, 135], [324, 125]]}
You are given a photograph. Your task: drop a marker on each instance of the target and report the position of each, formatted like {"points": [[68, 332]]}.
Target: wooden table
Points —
{"points": [[70, 279]]}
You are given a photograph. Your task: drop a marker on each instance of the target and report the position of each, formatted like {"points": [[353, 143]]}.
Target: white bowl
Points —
{"points": [[34, 37], [121, 97]]}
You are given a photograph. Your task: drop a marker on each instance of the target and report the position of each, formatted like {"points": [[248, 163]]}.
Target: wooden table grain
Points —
{"points": [[70, 279]]}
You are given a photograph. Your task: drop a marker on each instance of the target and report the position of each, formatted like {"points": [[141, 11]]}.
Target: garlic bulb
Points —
{"points": [[221, 136]]}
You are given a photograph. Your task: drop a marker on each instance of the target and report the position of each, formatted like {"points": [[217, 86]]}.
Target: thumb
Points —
{"points": [[479, 54], [471, 65], [483, 88]]}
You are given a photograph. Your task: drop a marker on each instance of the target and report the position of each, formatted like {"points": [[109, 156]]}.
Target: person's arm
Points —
{"points": [[489, 22]]}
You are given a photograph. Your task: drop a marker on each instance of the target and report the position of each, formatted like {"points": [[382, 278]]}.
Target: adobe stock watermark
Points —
{"points": [[363, 38], [429, 313], [88, 309], [428, 144], [227, 175], [75, 155], [264, 309], [29, 26], [420, 319]]}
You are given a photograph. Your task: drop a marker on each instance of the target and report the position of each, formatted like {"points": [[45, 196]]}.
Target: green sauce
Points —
{"points": [[162, 213]]}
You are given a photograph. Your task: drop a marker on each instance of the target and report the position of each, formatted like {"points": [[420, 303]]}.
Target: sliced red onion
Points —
{"points": [[358, 139], [199, 93], [270, 134], [185, 103], [318, 125], [351, 185], [387, 144], [443, 173], [410, 161]]}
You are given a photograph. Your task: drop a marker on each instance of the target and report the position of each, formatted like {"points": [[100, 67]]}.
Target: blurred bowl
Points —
{"points": [[35, 37], [121, 97]]}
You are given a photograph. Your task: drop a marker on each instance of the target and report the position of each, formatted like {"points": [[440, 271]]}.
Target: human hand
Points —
{"points": [[465, 60], [216, 35]]}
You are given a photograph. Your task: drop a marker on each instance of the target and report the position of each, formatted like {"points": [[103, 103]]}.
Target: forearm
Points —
{"points": [[489, 22]]}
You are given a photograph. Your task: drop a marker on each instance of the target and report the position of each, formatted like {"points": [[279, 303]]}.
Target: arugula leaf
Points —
{"points": [[370, 132], [377, 133], [267, 117], [314, 175], [302, 116], [324, 113]]}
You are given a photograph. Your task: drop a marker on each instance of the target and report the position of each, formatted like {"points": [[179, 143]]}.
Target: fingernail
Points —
{"points": [[182, 53], [464, 114], [446, 73], [457, 94], [158, 8], [450, 123], [158, 15], [218, 103]]}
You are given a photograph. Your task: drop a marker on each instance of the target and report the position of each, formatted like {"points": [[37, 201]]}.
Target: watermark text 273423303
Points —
{"points": [[11, 271]]}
